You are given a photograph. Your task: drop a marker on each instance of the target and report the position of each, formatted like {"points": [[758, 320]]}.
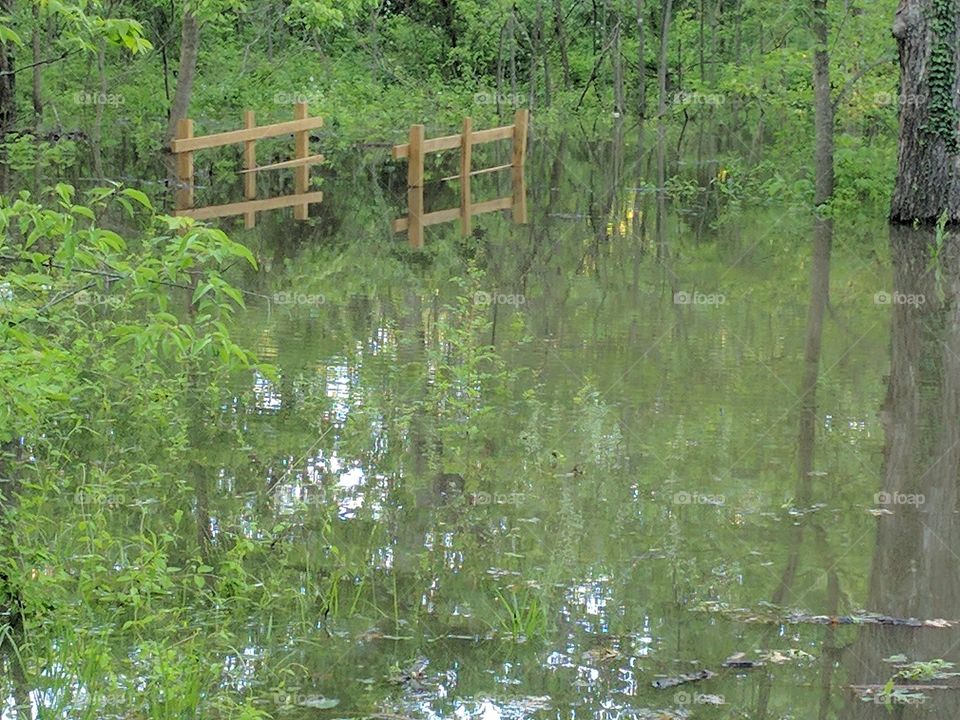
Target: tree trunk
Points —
{"points": [[619, 104], [547, 82], [38, 32], [662, 128], [513, 60], [376, 60], [561, 42], [928, 164], [823, 235], [500, 70], [823, 106], [641, 61], [97, 134], [533, 44], [662, 63], [702, 42], [189, 45], [8, 108]]}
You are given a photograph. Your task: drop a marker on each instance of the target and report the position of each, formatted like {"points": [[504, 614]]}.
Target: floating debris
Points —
{"points": [[602, 654], [894, 694], [775, 615], [412, 676], [682, 679], [738, 660], [779, 658], [864, 619]]}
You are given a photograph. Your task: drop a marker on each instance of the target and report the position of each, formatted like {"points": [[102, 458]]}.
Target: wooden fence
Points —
{"points": [[185, 144], [419, 146]]}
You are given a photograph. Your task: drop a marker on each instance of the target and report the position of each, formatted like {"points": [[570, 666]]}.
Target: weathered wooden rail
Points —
{"points": [[416, 149], [184, 145]]}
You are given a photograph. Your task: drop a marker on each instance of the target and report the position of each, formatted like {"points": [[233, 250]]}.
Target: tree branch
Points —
{"points": [[48, 61]]}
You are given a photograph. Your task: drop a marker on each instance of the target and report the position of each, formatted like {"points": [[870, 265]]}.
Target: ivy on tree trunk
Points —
{"points": [[928, 173]]}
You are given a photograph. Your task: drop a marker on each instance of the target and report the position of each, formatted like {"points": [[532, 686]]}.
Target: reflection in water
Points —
{"points": [[916, 560], [515, 518]]}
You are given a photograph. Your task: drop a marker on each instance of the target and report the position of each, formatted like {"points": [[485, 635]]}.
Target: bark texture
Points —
{"points": [[823, 104], [189, 45], [928, 171], [8, 110]]}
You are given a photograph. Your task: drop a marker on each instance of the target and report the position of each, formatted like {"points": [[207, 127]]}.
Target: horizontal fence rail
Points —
{"points": [[185, 144], [418, 146]]}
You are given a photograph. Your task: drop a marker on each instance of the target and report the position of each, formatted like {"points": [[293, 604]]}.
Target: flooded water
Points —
{"points": [[539, 471]]}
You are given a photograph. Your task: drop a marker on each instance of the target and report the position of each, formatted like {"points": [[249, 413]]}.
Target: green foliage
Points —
{"points": [[522, 616], [320, 15], [83, 27], [943, 116], [149, 544], [64, 266], [25, 152], [916, 672]]}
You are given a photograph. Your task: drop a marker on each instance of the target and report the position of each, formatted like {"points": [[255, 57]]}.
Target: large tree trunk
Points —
{"points": [[189, 45], [928, 171]]}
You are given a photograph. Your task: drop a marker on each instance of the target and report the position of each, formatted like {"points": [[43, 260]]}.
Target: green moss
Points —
{"points": [[943, 116]]}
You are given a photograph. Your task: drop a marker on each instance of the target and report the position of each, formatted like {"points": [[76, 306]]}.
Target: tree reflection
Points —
{"points": [[917, 552]]}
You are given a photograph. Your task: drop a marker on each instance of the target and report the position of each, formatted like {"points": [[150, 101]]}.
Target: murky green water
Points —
{"points": [[656, 464], [641, 478]]}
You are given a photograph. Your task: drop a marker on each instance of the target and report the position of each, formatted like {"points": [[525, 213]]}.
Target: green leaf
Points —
{"points": [[7, 35], [234, 294], [64, 191], [139, 196], [201, 291]]}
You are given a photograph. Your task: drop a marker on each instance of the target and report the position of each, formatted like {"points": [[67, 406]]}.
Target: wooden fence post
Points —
{"points": [[466, 152], [184, 192], [520, 123], [415, 187], [250, 164], [301, 173]]}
